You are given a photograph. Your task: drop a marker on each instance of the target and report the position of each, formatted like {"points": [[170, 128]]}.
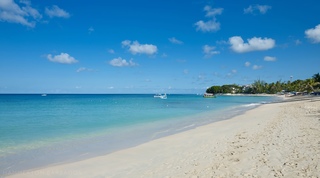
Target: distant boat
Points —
{"points": [[44, 95], [209, 95], [164, 96]]}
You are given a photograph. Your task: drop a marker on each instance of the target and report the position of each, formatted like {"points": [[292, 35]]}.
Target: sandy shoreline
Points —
{"points": [[273, 140]]}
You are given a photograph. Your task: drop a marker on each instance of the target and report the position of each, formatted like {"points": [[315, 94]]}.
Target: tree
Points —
{"points": [[272, 88], [310, 84], [259, 86], [316, 77], [297, 85], [214, 89], [278, 86]]}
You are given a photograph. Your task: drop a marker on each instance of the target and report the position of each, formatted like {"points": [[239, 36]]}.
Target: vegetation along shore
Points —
{"points": [[297, 87]]}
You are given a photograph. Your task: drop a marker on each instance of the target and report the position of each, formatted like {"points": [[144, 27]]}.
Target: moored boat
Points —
{"points": [[209, 95]]}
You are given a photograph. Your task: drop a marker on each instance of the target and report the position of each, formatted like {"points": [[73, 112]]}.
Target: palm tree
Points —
{"points": [[278, 86], [310, 83], [316, 77], [298, 85], [272, 88], [258, 86]]}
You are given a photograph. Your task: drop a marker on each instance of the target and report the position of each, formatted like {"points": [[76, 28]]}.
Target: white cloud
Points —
{"points": [[256, 67], [254, 44], [269, 58], [186, 71], [222, 42], [81, 69], [201, 77], [63, 58], [13, 13], [111, 51], [55, 11], [232, 73], [137, 48], [125, 43], [175, 41], [26, 2], [297, 42], [210, 25], [119, 62], [84, 69], [91, 29], [209, 51], [313, 34], [212, 12], [247, 64], [261, 8]]}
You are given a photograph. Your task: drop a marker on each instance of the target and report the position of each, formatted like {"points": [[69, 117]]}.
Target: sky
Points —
{"points": [[154, 46]]}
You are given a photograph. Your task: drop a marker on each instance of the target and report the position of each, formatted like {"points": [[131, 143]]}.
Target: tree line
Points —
{"points": [[260, 86]]}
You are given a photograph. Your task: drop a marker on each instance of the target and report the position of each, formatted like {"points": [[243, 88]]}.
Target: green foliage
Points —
{"points": [[224, 89], [260, 86], [316, 77], [214, 89]]}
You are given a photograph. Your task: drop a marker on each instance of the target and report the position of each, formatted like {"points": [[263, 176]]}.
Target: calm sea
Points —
{"points": [[37, 131]]}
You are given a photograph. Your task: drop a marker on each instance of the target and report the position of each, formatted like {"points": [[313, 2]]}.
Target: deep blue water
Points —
{"points": [[38, 131]]}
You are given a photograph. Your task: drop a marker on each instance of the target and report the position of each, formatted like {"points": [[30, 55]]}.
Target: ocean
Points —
{"points": [[38, 131]]}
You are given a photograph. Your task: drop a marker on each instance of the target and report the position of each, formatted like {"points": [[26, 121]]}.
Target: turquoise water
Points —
{"points": [[38, 131]]}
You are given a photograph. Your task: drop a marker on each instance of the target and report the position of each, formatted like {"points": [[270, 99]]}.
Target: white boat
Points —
{"points": [[164, 96], [44, 94], [209, 95]]}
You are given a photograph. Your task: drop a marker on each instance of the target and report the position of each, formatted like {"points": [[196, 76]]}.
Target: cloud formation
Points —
{"points": [[84, 69], [90, 30], [55, 11], [111, 51], [313, 34], [256, 67], [137, 48], [269, 58], [247, 64], [13, 13], [262, 9], [210, 25], [119, 62], [175, 41], [209, 51], [254, 44], [63, 58]]}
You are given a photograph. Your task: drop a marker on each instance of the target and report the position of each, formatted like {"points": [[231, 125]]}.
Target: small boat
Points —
{"points": [[164, 96], [44, 94], [209, 95]]}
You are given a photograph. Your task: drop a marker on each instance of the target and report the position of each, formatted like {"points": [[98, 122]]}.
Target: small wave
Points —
{"points": [[252, 104], [265, 102], [160, 132], [188, 126]]}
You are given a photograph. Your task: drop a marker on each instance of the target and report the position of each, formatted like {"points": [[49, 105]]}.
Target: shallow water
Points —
{"points": [[37, 131]]}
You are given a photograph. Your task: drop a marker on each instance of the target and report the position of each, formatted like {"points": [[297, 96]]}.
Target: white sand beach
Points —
{"points": [[273, 140]]}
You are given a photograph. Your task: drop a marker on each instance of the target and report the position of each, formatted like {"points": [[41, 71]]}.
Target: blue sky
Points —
{"points": [[154, 46]]}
